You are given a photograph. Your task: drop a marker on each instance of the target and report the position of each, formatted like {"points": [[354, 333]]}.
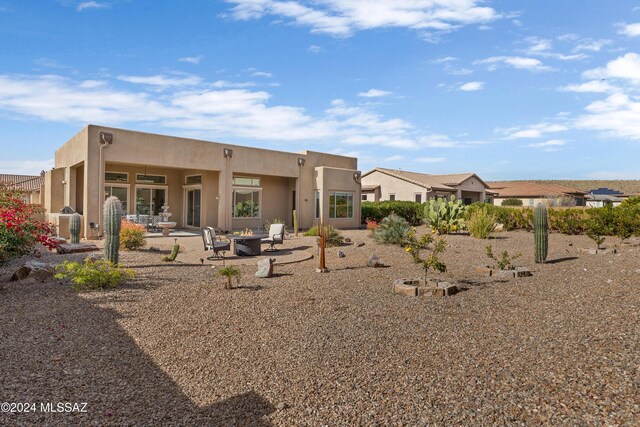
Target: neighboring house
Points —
{"points": [[391, 184], [533, 194], [204, 183], [30, 185], [602, 196]]}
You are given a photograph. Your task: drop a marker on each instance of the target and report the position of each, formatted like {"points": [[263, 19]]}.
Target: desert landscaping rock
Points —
{"points": [[265, 267], [375, 261], [341, 254], [35, 270], [173, 348], [74, 248], [591, 251]]}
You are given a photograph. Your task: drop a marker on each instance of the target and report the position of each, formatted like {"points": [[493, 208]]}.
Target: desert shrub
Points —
{"points": [[132, 235], [334, 238], [510, 218], [504, 261], [601, 221], [415, 246], [20, 228], [92, 275], [567, 221], [627, 220], [511, 202], [393, 229], [377, 211], [230, 272], [481, 223], [630, 202]]}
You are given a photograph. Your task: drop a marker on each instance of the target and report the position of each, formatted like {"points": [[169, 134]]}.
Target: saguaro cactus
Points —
{"points": [[541, 230], [112, 221], [74, 228]]}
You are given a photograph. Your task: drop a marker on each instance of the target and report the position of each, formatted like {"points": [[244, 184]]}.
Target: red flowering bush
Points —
{"points": [[20, 229], [132, 235]]}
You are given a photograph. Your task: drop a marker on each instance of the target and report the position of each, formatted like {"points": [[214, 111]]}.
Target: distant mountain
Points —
{"points": [[627, 186]]}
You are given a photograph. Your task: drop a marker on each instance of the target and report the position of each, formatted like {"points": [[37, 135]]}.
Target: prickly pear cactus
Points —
{"points": [[74, 228], [541, 230], [112, 219], [444, 215]]}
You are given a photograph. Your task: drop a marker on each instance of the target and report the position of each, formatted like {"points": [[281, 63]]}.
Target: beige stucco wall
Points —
{"points": [[176, 157], [391, 185], [335, 179], [274, 204]]}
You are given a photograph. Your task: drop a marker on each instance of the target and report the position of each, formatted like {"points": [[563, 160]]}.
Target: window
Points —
{"points": [[193, 179], [149, 200], [392, 197], [121, 192], [246, 181], [317, 205], [116, 177], [246, 203], [151, 179], [418, 198], [364, 197], [340, 205]]}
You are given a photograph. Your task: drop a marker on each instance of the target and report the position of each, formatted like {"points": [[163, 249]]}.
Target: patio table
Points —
{"points": [[246, 245]]}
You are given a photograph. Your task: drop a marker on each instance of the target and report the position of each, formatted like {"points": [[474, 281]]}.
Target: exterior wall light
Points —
{"points": [[106, 138], [301, 161], [356, 177], [228, 153]]}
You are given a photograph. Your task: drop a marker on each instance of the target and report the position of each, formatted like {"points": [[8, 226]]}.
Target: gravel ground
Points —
{"points": [[173, 348]]}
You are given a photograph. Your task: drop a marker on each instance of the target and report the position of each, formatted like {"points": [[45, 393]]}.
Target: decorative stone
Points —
{"points": [[375, 261], [504, 274], [74, 248], [347, 240], [444, 289], [598, 251], [322, 270], [359, 244], [40, 271], [341, 254], [265, 267], [399, 287]]}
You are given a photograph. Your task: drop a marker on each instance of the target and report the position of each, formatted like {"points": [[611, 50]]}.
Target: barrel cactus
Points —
{"points": [[112, 221], [541, 230], [74, 228]]}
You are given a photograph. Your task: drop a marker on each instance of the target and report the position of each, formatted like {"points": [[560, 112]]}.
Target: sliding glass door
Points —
{"points": [[194, 197], [149, 200]]}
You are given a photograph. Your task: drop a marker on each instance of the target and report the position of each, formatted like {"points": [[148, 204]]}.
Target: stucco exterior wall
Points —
{"points": [[402, 189], [283, 174], [330, 180]]}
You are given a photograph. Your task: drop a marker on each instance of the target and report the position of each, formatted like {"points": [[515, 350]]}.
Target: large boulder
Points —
{"points": [[36, 270], [265, 267]]}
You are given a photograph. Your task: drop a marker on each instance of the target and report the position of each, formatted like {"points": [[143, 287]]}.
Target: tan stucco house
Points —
{"points": [[392, 184], [203, 183], [29, 185], [532, 194]]}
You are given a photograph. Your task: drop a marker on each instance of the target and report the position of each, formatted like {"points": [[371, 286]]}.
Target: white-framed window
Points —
{"points": [[340, 205], [116, 177], [392, 197], [317, 205], [246, 181], [364, 197], [418, 197], [151, 179], [247, 203], [150, 199], [121, 191], [193, 179]]}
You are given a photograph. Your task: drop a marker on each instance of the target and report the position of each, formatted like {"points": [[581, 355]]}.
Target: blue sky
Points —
{"points": [[508, 89]]}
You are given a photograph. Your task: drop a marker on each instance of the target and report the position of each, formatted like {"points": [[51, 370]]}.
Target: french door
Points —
{"points": [[193, 199], [149, 200]]}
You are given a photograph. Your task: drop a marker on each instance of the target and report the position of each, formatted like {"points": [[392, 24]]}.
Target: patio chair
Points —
{"points": [[214, 243], [275, 235]]}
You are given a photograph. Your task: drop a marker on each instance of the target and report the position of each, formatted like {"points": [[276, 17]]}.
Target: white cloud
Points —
{"points": [[162, 81], [533, 131], [262, 74], [226, 84], [630, 30], [595, 86], [220, 109], [344, 18], [25, 167], [543, 48], [90, 5], [617, 115], [394, 158], [314, 49], [430, 159], [591, 45], [472, 86], [626, 67], [550, 145], [445, 60], [519, 62], [375, 93], [192, 59]]}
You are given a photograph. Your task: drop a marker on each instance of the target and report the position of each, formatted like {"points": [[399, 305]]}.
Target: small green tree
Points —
{"points": [[505, 261], [415, 247], [230, 271]]}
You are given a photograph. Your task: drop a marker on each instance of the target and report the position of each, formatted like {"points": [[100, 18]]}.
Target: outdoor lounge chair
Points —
{"points": [[214, 243], [275, 235]]}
